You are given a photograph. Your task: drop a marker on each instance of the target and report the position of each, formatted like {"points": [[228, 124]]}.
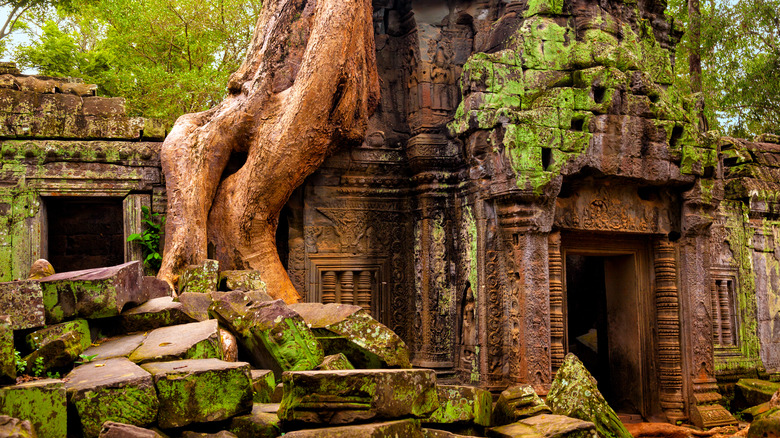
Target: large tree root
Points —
{"points": [[308, 84]]}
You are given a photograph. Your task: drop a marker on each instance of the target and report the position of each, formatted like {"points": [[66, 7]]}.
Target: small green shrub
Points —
{"points": [[150, 238], [21, 364], [37, 367]]}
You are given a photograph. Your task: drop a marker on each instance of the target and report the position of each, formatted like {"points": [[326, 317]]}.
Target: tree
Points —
{"points": [[166, 57], [308, 84]]}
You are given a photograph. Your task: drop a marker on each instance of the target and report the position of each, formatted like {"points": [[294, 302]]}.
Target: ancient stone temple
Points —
{"points": [[531, 184]]}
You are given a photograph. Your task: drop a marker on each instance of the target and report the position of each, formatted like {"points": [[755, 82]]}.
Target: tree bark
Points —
{"points": [[307, 86]]}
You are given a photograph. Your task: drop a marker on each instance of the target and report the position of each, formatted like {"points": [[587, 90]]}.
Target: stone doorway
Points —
{"points": [[607, 307], [84, 232]]}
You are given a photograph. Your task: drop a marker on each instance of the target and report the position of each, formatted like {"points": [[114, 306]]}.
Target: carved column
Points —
{"points": [[669, 352], [557, 349]]}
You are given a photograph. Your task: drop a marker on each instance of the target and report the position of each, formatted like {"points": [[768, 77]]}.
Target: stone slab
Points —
{"points": [[153, 287], [120, 346], [546, 426], [516, 403], [200, 390], [436, 433], [390, 429], [275, 336], [247, 280], [42, 402], [92, 293], [112, 429], [366, 342], [258, 424], [200, 278], [112, 389], [462, 405], [58, 345], [22, 301], [155, 313], [335, 362], [263, 385], [195, 305], [197, 340], [753, 392], [349, 396]]}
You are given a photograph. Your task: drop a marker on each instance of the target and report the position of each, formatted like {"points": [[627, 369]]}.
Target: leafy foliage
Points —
{"points": [[166, 57], [150, 238], [21, 364]]}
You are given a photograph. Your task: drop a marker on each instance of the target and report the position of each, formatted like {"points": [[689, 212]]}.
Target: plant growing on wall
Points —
{"points": [[149, 238]]}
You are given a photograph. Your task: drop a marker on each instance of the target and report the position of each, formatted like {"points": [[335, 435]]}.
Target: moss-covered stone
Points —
{"points": [[390, 429], [7, 359], [112, 429], [201, 390], [58, 345], [200, 278], [335, 362], [574, 394], [365, 341], [768, 426], [155, 313], [258, 424], [15, 428], [111, 390], [241, 280], [197, 340], [22, 301], [275, 337], [195, 305], [752, 392], [547, 426], [121, 346], [92, 293], [42, 402], [348, 396], [263, 385], [516, 403], [39, 269], [462, 405]]}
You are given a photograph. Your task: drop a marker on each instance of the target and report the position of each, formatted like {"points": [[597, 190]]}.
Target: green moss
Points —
{"points": [[43, 403], [136, 405]]}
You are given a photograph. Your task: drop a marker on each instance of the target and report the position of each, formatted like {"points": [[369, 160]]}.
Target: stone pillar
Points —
{"points": [[28, 232], [133, 223], [557, 349]]}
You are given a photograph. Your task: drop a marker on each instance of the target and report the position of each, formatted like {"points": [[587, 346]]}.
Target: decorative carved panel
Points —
{"points": [[343, 279]]}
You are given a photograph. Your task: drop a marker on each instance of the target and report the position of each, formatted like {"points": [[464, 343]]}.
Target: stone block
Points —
{"points": [[574, 394], [258, 424], [753, 392], [391, 429], [436, 433], [200, 278], [39, 269], [546, 426], [92, 293], [153, 287], [22, 301], [365, 341], [7, 350], [462, 405], [58, 345], [335, 362], [241, 280], [42, 402], [15, 428], [349, 396], [263, 385], [113, 389], [121, 346], [516, 403], [104, 106], [196, 305], [276, 337], [220, 434], [766, 427], [197, 340], [155, 313], [113, 429], [200, 390]]}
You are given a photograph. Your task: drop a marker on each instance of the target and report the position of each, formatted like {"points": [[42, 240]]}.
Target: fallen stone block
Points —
{"points": [[275, 337], [121, 346], [200, 390], [366, 342], [263, 385], [220, 434], [258, 424], [42, 402], [348, 396], [92, 293], [155, 313], [574, 394], [195, 305], [546, 426], [753, 392], [462, 406], [113, 429], [15, 428], [58, 345], [516, 403], [113, 389], [200, 278], [153, 287], [391, 429], [759, 411], [22, 301], [242, 280], [335, 362], [436, 433], [7, 350], [197, 340], [765, 427]]}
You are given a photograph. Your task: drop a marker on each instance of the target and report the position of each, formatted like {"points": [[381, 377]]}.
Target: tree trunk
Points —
{"points": [[307, 86]]}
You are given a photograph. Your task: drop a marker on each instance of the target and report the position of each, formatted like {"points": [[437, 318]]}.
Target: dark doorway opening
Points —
{"points": [[85, 233], [602, 324]]}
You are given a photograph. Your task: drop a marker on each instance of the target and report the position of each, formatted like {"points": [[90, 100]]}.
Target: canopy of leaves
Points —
{"points": [[166, 57], [740, 52]]}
